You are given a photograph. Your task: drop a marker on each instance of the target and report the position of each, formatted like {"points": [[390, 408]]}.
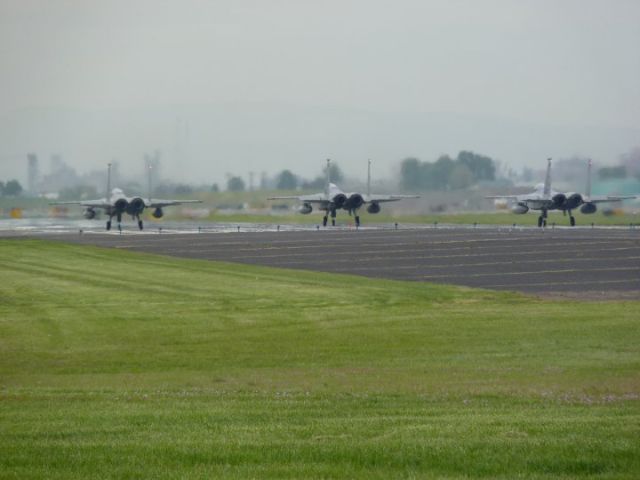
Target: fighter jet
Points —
{"points": [[545, 199], [116, 204], [334, 199]]}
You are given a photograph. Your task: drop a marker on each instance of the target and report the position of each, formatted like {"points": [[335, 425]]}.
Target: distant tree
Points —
{"points": [[336, 173], [460, 177], [183, 188], [440, 173], [12, 188], [481, 167], [467, 169], [235, 184], [215, 188], [286, 180], [315, 184], [410, 174], [527, 174], [80, 192], [606, 173], [631, 160]]}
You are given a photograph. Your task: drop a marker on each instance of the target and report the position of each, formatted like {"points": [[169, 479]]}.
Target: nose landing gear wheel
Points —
{"points": [[109, 225], [324, 221]]}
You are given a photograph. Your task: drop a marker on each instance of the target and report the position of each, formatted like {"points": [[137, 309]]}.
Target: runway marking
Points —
{"points": [[540, 272], [558, 284], [563, 256], [483, 264], [360, 256]]}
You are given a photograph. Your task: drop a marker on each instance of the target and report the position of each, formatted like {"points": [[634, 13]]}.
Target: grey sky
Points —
{"points": [[232, 86]]}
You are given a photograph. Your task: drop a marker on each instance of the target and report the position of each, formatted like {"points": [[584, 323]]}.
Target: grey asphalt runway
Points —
{"points": [[573, 262]]}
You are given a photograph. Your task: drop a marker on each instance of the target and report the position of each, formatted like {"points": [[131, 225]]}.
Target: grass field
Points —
{"points": [[114, 364]]}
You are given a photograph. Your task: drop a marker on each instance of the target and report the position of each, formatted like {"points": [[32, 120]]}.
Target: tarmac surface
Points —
{"points": [[579, 262]]}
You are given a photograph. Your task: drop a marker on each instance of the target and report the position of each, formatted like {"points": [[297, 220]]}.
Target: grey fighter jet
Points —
{"points": [[334, 199], [543, 198], [116, 204]]}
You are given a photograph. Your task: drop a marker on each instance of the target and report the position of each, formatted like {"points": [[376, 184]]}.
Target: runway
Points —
{"points": [[574, 262]]}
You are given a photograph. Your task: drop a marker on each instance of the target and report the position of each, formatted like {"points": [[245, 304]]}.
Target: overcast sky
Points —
{"points": [[233, 86]]}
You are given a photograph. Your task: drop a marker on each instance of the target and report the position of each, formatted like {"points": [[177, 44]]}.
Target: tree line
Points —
{"points": [[10, 189], [446, 173]]}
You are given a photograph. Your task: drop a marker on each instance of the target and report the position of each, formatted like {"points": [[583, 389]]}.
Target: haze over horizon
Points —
{"points": [[231, 87]]}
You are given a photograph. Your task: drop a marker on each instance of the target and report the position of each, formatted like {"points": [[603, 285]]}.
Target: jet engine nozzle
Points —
{"points": [[121, 205], [136, 206], [354, 201], [588, 208], [157, 213], [374, 208], [339, 200], [305, 208], [89, 213], [520, 208], [559, 200], [574, 200]]}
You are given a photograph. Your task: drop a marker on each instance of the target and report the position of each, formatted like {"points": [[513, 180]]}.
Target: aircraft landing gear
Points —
{"points": [[572, 220], [333, 218], [108, 225], [140, 226], [324, 221], [542, 219], [357, 218]]}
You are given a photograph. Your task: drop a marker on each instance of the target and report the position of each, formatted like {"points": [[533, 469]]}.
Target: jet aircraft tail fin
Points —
{"points": [[328, 182], [149, 167], [587, 190], [547, 179], [108, 196]]}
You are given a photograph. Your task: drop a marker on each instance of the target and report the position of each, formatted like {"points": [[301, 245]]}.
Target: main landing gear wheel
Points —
{"points": [[324, 221], [572, 221], [140, 226], [108, 225], [540, 221], [333, 222], [357, 221]]}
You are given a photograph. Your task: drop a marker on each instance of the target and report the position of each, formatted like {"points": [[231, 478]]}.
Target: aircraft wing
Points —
{"points": [[167, 203], [314, 198], [609, 198], [101, 203], [386, 198]]}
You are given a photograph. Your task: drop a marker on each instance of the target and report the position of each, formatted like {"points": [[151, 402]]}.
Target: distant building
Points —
{"points": [[153, 168], [32, 174]]}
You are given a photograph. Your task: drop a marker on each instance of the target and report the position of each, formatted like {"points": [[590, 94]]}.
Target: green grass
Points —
{"points": [[114, 364]]}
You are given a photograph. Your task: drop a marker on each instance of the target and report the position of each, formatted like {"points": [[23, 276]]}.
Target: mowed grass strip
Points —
{"points": [[115, 364]]}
